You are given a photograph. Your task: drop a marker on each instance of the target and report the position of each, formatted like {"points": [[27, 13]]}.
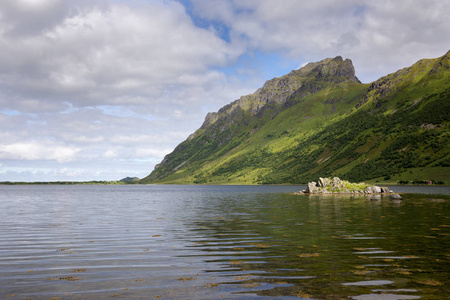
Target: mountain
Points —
{"points": [[322, 121], [130, 179]]}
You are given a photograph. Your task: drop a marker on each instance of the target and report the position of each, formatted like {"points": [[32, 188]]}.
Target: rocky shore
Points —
{"points": [[338, 186]]}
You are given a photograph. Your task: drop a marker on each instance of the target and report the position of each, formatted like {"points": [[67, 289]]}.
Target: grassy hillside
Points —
{"points": [[321, 121]]}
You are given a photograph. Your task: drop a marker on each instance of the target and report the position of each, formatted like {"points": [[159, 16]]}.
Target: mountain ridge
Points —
{"points": [[281, 133]]}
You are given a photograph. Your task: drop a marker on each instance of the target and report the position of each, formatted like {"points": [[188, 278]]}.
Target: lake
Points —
{"points": [[221, 242]]}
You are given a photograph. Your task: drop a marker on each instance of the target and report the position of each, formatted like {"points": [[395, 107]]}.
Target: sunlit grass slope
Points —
{"points": [[323, 122]]}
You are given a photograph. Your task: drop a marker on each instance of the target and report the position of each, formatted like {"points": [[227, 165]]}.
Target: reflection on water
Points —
{"points": [[211, 242]]}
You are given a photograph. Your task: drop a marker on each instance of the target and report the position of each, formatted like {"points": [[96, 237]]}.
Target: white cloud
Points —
{"points": [[108, 55], [93, 88], [110, 154], [98, 82], [148, 152], [379, 36], [37, 151]]}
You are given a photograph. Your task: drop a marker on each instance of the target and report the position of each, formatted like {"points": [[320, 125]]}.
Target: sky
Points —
{"points": [[102, 90]]}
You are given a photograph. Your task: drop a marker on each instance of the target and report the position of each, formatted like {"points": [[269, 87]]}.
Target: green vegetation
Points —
{"points": [[320, 121], [437, 175], [351, 186]]}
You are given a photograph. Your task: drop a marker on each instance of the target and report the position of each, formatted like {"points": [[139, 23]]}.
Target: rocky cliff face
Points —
{"points": [[278, 91]]}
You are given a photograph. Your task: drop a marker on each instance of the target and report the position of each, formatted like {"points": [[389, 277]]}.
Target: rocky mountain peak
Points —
{"points": [[280, 89], [337, 68]]}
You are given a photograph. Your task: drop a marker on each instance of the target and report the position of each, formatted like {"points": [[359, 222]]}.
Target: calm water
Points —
{"points": [[220, 242]]}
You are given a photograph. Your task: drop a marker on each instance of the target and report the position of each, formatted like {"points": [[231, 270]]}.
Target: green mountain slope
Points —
{"points": [[322, 121]]}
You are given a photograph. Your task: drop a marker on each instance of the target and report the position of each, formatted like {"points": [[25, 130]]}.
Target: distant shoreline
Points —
{"points": [[105, 182], [95, 182]]}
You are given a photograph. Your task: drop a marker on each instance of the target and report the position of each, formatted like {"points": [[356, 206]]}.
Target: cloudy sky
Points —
{"points": [[101, 90]]}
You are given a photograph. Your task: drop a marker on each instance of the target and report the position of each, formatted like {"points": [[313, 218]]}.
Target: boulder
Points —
{"points": [[368, 190], [376, 189], [324, 182], [372, 190], [385, 190], [312, 188], [337, 183]]}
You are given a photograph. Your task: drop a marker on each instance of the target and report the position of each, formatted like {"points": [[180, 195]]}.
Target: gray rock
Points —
{"points": [[323, 182], [368, 190], [372, 190], [312, 188], [376, 189], [385, 190], [337, 183]]}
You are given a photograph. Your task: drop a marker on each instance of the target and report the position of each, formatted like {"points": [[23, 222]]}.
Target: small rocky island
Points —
{"points": [[338, 186]]}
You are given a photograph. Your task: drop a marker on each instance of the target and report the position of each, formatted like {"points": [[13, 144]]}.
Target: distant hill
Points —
{"points": [[321, 121], [129, 179]]}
